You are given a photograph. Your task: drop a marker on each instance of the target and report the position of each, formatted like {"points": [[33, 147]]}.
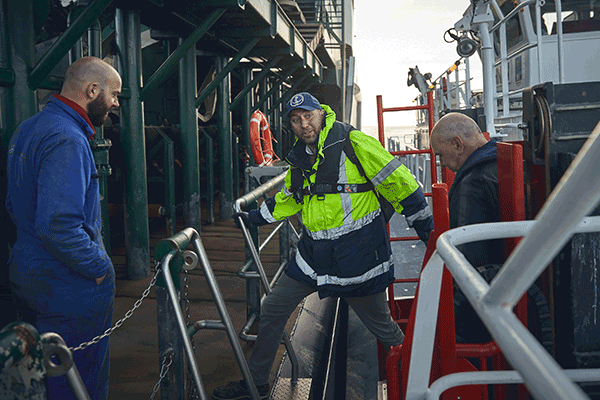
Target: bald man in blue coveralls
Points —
{"points": [[61, 277]]}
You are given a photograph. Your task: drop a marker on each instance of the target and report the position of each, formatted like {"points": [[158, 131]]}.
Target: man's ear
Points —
{"points": [[457, 143], [92, 91]]}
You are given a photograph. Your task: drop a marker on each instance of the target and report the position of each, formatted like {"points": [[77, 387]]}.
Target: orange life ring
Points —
{"points": [[260, 140]]}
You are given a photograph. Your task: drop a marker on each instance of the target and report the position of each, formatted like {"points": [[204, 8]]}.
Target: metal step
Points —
{"points": [[286, 390]]}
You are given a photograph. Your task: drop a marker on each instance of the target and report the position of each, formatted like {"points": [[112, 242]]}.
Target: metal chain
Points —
{"points": [[163, 372], [127, 315], [192, 390]]}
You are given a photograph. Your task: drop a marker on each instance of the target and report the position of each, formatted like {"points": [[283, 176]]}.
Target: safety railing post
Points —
{"points": [[180, 324], [173, 384], [225, 318], [240, 205]]}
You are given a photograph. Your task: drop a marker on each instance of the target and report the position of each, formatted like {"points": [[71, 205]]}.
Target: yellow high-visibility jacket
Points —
{"points": [[344, 250]]}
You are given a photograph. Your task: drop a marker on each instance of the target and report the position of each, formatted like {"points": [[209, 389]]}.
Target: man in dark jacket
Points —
{"points": [[61, 277], [473, 199]]}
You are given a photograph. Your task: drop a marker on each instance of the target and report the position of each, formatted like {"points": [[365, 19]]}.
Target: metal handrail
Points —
{"points": [[494, 303], [174, 248], [260, 273]]}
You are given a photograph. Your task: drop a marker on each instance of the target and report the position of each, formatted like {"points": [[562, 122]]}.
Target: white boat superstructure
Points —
{"points": [[521, 44]]}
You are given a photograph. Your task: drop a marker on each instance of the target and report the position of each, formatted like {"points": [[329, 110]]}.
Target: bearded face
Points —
{"points": [[99, 108]]}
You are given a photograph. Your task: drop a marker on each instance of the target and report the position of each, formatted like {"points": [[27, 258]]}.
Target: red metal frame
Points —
{"points": [[380, 128]]}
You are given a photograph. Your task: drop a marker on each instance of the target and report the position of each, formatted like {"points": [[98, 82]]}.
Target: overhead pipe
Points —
{"points": [[75, 52]]}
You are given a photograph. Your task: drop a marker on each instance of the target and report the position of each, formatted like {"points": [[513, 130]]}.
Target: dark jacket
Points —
{"points": [[473, 199]]}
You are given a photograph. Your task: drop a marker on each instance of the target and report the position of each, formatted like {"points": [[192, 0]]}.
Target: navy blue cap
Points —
{"points": [[304, 100]]}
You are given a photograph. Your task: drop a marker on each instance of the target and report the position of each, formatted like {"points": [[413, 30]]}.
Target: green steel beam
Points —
{"points": [[167, 68], [65, 41], [225, 140], [242, 32], [7, 77], [284, 97], [137, 236], [248, 87], [225, 71], [223, 3], [276, 85], [189, 139]]}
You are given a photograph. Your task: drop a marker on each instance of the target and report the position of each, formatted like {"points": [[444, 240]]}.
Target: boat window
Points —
{"points": [[576, 16], [514, 34]]}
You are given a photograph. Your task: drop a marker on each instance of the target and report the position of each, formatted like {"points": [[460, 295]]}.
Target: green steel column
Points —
{"points": [[189, 138], [225, 142], [20, 100], [137, 237], [210, 176], [246, 102], [262, 90], [277, 124], [253, 293], [100, 145]]}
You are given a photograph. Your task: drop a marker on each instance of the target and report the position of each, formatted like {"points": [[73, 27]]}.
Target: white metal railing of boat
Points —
{"points": [[574, 197], [505, 95]]}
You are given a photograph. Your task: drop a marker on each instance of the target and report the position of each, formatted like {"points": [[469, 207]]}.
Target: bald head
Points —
{"points": [[85, 71], [454, 138], [92, 81]]}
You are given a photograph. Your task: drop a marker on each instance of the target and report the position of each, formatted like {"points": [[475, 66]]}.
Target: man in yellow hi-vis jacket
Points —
{"points": [[337, 177]]}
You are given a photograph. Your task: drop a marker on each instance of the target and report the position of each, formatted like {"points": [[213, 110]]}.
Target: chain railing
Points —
{"points": [[120, 322]]}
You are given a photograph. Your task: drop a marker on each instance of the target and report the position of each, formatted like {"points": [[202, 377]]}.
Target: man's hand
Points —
{"points": [[99, 280], [243, 215], [423, 228]]}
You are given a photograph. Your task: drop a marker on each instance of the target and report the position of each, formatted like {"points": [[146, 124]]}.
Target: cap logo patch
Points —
{"points": [[296, 100]]}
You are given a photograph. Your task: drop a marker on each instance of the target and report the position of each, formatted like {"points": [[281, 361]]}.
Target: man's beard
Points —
{"points": [[98, 110]]}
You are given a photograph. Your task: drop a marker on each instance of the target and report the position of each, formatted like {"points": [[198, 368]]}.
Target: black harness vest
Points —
{"points": [[329, 166]]}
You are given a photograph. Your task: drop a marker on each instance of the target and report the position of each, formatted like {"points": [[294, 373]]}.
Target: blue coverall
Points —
{"points": [[54, 200]]}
